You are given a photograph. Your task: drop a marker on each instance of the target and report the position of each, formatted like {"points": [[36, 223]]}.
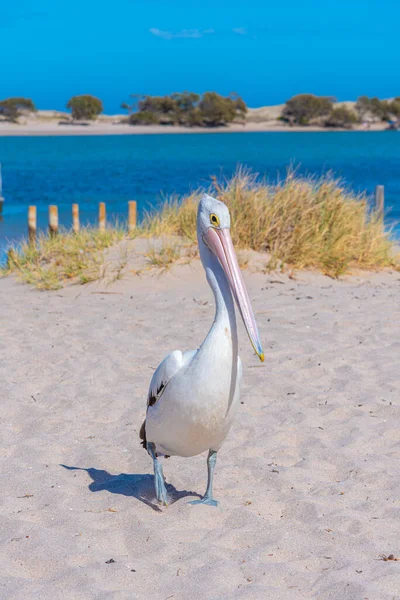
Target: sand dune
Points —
{"points": [[308, 480]]}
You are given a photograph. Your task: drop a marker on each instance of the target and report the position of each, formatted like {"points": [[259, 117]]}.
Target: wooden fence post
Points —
{"points": [[132, 213], [53, 220], [32, 226], [75, 218], [1, 194], [102, 216], [380, 200]]}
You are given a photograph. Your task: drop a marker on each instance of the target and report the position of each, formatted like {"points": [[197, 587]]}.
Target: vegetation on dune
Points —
{"points": [[211, 109], [85, 107], [374, 109], [216, 110], [61, 258], [341, 117], [164, 256], [299, 223], [176, 217], [307, 109], [187, 108], [304, 108], [11, 108]]}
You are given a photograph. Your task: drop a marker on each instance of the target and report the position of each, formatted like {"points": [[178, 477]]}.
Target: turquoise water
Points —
{"points": [[115, 169]]}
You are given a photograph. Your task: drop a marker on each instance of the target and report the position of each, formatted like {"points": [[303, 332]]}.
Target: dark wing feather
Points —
{"points": [[142, 435], [161, 377]]}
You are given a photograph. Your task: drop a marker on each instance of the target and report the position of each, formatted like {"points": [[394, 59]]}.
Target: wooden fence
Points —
{"points": [[53, 219]]}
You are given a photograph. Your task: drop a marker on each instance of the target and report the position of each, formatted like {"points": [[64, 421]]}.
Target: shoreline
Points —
{"points": [[262, 119], [54, 129]]}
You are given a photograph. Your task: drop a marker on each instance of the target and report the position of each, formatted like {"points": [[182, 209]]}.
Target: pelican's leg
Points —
{"points": [[208, 497], [159, 482]]}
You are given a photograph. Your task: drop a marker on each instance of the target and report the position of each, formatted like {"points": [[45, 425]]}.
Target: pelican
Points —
{"points": [[194, 395]]}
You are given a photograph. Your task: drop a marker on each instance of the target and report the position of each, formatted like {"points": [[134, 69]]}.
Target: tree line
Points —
{"points": [[187, 108], [211, 110], [307, 109]]}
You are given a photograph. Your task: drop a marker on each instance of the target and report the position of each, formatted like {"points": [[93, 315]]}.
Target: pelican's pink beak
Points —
{"points": [[219, 242]]}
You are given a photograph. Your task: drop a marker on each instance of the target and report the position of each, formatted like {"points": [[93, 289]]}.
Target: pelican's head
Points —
{"points": [[213, 227]]}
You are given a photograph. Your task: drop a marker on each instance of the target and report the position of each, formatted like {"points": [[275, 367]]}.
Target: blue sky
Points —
{"points": [[265, 51]]}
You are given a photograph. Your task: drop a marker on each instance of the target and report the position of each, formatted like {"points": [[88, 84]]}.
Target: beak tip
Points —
{"points": [[261, 355]]}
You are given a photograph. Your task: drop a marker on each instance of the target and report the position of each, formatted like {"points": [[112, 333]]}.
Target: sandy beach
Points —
{"points": [[44, 129], [47, 129], [266, 118], [308, 480]]}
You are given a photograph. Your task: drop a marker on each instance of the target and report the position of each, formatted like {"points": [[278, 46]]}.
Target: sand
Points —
{"points": [[53, 129], [308, 480]]}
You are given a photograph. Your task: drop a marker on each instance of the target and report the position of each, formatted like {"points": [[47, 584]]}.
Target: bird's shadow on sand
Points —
{"points": [[139, 486]]}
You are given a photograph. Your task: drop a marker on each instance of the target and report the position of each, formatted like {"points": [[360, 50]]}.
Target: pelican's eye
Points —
{"points": [[214, 220]]}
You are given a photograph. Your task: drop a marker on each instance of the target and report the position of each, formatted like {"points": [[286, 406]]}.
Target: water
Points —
{"points": [[115, 169]]}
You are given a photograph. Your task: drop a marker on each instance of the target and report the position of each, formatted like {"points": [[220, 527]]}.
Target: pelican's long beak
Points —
{"points": [[220, 243]]}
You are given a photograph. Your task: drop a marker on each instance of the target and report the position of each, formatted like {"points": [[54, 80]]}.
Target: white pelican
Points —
{"points": [[194, 395]]}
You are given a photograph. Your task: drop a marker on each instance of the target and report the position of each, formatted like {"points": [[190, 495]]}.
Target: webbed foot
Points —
{"points": [[206, 500]]}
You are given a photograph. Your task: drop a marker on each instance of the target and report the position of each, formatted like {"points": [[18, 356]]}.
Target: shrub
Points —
{"points": [[85, 107], [378, 110], [219, 110], [194, 118], [145, 117], [185, 101], [187, 108], [216, 110], [341, 116], [11, 108], [304, 108]]}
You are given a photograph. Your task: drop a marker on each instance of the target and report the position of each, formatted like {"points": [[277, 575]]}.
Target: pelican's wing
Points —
{"points": [[165, 371]]}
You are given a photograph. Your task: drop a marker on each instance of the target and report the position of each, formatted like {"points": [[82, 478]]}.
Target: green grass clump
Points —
{"points": [[64, 257], [163, 257], [302, 223]]}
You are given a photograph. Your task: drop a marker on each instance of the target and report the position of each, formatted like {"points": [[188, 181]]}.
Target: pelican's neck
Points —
{"points": [[225, 317]]}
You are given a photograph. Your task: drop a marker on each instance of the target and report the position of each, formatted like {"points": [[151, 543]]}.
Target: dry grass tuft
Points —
{"points": [[65, 257], [175, 218], [303, 223], [164, 256]]}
